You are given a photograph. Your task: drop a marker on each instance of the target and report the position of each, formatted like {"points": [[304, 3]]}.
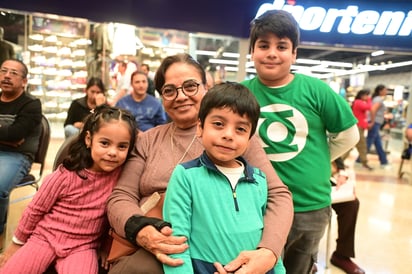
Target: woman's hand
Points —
{"points": [[100, 99], [257, 261], [341, 180], [102, 255], [6, 255], [162, 243]]}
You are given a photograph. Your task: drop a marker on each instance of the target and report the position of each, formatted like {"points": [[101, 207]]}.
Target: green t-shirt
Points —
{"points": [[293, 126]]}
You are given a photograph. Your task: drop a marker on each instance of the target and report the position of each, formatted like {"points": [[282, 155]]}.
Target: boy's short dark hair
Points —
{"points": [[234, 96], [279, 22]]}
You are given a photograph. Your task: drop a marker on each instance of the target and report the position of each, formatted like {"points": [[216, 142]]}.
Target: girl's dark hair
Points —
{"points": [[95, 81], [235, 96], [279, 22], [378, 90], [79, 156], [159, 79], [361, 93]]}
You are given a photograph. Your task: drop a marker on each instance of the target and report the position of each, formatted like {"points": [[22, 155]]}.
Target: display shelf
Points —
{"points": [[57, 61]]}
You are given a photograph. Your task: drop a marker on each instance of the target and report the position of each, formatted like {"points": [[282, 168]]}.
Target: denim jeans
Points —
{"points": [[13, 167], [70, 130], [302, 246], [374, 138]]}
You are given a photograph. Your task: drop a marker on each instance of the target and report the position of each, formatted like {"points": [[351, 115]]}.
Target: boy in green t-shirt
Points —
{"points": [[304, 126]]}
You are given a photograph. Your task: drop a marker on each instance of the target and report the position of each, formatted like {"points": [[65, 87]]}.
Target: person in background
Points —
{"points": [[209, 79], [122, 83], [377, 118], [20, 129], [66, 219], [181, 80], [408, 133], [219, 189], [146, 70], [81, 107], [347, 214], [147, 110], [361, 107], [304, 125], [6, 49]]}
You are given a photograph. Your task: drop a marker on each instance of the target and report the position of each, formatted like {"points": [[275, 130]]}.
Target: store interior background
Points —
{"points": [[63, 44], [62, 52]]}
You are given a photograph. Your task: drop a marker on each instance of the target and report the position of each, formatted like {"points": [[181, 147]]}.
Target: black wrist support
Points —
{"points": [[137, 222]]}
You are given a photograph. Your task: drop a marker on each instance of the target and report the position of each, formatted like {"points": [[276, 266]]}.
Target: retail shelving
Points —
{"points": [[57, 49]]}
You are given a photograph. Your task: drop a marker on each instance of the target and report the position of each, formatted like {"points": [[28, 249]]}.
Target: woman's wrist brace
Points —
{"points": [[137, 222]]}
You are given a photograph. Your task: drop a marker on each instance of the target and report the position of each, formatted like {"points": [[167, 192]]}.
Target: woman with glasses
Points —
{"points": [[182, 84]]}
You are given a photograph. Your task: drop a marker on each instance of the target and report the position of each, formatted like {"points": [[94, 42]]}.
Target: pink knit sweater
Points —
{"points": [[69, 212]]}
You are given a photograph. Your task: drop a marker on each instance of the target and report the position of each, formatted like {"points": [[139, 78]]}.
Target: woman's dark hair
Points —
{"points": [[159, 79], [235, 96], [361, 93], [79, 156], [378, 90], [279, 22], [95, 81]]}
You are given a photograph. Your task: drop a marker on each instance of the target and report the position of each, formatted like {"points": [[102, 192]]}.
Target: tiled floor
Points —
{"points": [[384, 233]]}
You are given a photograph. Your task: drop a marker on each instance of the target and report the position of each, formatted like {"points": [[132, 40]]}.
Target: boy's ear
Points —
{"points": [[88, 139], [199, 130], [295, 54]]}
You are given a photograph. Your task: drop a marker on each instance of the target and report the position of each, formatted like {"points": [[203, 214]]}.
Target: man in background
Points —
{"points": [[146, 70], [6, 49], [20, 129]]}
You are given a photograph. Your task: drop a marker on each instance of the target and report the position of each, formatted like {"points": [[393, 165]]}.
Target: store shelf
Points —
{"points": [[57, 66]]}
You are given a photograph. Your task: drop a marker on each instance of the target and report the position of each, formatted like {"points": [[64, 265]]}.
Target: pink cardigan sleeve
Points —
{"points": [[41, 204]]}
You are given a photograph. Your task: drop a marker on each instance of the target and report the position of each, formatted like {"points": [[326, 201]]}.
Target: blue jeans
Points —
{"points": [[70, 130], [302, 246], [13, 167], [374, 138]]}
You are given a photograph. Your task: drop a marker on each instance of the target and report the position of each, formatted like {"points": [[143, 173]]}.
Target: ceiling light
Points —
{"points": [[230, 55], [205, 52], [308, 61], [378, 52], [222, 61]]}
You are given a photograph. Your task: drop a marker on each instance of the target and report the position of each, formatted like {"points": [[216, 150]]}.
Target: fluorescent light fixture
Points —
{"points": [[222, 61], [230, 55], [205, 52], [307, 61], [324, 63], [378, 52], [213, 53], [337, 64], [396, 65], [234, 69]]}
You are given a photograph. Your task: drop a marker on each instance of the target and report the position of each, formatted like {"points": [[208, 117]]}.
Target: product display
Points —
{"points": [[57, 63]]}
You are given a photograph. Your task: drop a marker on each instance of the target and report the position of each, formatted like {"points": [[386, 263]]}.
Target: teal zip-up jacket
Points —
{"points": [[217, 220]]}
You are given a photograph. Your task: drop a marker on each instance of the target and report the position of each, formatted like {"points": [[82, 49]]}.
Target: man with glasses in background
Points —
{"points": [[20, 128]]}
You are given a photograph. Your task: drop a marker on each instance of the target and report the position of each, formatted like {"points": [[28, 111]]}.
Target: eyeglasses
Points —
{"points": [[12, 72], [189, 88]]}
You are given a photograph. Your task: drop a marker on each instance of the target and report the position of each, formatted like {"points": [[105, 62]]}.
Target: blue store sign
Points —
{"points": [[346, 24]]}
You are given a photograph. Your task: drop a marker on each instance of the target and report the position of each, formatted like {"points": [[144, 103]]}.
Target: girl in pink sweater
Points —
{"points": [[65, 221]]}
